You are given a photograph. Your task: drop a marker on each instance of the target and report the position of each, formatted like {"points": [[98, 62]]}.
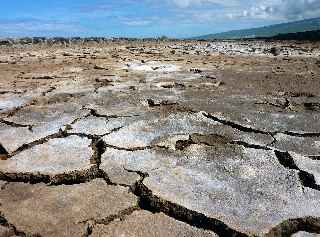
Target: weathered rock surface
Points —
{"points": [[91, 125], [142, 223], [147, 133], [159, 138], [247, 189], [57, 157], [36, 122], [309, 146], [275, 122], [61, 210]]}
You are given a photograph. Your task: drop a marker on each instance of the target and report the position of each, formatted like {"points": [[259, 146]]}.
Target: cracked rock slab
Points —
{"points": [[301, 123], [45, 121], [247, 189], [206, 133], [91, 125], [11, 101], [143, 223], [95, 125], [61, 210], [118, 164], [146, 133], [43, 114], [14, 137], [56, 157], [308, 165], [308, 146]]}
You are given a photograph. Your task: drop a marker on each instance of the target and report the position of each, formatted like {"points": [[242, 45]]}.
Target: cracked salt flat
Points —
{"points": [[162, 150]]}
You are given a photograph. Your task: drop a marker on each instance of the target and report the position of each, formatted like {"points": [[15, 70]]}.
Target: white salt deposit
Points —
{"points": [[152, 66]]}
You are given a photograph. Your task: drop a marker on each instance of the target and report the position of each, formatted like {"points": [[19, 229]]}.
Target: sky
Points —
{"points": [[145, 18]]}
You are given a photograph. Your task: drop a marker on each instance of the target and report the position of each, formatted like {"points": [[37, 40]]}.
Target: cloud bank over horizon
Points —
{"points": [[146, 18], [283, 9]]}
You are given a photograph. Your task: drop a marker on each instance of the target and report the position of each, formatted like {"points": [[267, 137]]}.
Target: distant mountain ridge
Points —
{"points": [[313, 35], [267, 31]]}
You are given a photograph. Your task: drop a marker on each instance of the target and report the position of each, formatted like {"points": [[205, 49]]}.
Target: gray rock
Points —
{"points": [[147, 133], [56, 157], [62, 210], [45, 121], [274, 122], [143, 223], [308, 146], [305, 234], [91, 125], [245, 188]]}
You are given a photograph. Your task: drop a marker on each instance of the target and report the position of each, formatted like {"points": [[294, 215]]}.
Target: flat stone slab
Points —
{"points": [[301, 123], [55, 113], [11, 101], [117, 164], [248, 189], [91, 125], [143, 223], [146, 133], [56, 157], [61, 210], [99, 126], [45, 121], [308, 146]]}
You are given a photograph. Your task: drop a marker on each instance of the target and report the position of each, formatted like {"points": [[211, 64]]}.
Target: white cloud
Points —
{"points": [[249, 9], [190, 3], [284, 9]]}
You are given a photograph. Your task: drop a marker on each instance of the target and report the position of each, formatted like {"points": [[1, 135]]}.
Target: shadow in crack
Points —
{"points": [[3, 153]]}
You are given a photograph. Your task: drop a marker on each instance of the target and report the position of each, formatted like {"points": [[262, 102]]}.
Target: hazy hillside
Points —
{"points": [[268, 31], [306, 35]]}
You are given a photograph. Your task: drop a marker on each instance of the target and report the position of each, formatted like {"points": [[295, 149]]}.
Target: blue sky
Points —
{"points": [[145, 18]]}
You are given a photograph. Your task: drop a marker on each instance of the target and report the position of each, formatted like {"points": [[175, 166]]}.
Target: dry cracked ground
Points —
{"points": [[160, 139]]}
